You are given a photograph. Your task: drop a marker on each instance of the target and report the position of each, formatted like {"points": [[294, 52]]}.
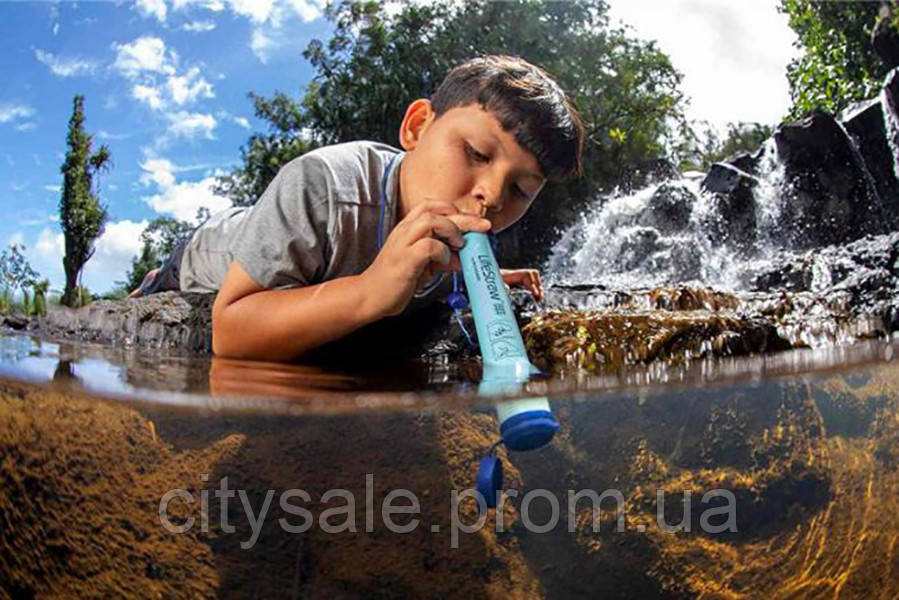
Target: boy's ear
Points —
{"points": [[419, 117]]}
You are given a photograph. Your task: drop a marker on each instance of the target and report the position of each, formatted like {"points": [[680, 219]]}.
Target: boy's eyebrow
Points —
{"points": [[536, 175]]}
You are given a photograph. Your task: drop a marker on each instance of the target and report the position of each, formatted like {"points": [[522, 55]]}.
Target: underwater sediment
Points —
{"points": [[810, 462]]}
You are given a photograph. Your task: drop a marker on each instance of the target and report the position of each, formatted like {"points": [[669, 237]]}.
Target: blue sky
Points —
{"points": [[166, 87]]}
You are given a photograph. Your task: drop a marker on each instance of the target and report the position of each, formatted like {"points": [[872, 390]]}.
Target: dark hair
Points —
{"points": [[527, 102]]}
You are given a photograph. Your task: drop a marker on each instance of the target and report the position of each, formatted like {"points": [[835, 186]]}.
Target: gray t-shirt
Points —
{"points": [[318, 220]]}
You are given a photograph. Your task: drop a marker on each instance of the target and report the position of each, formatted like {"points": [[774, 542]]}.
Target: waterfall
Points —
{"points": [[669, 233]]}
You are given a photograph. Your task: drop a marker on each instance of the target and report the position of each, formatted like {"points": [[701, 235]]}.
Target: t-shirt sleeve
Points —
{"points": [[283, 241]]}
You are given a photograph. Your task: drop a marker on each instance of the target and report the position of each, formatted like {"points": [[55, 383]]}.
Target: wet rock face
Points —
{"points": [[885, 38], [732, 189], [865, 273], [865, 123], [832, 200]]}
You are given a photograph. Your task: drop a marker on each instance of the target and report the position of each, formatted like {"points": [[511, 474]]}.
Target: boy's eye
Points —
{"points": [[475, 155]]}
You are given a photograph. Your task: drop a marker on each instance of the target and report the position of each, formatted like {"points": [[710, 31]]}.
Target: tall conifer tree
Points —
{"points": [[81, 214]]}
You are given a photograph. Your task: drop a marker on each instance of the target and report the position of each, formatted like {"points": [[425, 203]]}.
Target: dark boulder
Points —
{"points": [[832, 199], [668, 210], [865, 122], [17, 322], [885, 37], [733, 221]]}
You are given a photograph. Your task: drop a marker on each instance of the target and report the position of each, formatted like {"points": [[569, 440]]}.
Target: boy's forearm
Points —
{"points": [[284, 324]]}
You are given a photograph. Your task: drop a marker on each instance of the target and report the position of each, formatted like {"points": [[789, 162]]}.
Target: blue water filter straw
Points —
{"points": [[524, 424]]}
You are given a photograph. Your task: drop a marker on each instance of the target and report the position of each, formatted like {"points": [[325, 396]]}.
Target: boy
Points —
{"points": [[348, 234]]}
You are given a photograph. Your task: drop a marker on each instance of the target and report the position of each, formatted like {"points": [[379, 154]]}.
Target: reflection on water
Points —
{"points": [[157, 377]]}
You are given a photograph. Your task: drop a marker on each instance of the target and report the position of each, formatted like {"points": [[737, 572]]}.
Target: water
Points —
{"points": [[126, 472], [798, 452]]}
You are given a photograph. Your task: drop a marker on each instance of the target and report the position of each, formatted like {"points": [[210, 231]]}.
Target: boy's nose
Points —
{"points": [[471, 205]]}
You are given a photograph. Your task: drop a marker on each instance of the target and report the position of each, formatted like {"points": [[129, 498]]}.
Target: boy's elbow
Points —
{"points": [[221, 330]]}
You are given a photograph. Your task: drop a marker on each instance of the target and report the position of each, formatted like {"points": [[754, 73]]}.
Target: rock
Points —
{"points": [[15, 321], [668, 210], [723, 178], [864, 121], [734, 218], [885, 37], [173, 321], [865, 272], [832, 199]]}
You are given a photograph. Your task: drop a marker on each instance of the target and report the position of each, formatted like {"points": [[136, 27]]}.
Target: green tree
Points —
{"points": [[838, 65], [710, 148], [158, 241], [82, 216], [15, 275], [40, 296], [374, 64]]}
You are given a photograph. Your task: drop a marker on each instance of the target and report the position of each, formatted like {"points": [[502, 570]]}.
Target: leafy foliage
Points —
{"points": [[374, 64], [81, 215], [740, 137], [39, 289], [15, 275], [158, 241], [838, 65]]}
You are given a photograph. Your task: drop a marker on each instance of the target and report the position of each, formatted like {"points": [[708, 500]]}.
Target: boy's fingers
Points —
{"points": [[431, 206], [470, 222], [435, 226], [430, 250]]}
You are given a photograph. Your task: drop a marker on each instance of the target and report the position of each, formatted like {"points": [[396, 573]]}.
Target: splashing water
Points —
{"points": [[674, 232]]}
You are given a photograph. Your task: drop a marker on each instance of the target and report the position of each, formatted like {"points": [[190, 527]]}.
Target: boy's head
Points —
{"points": [[495, 130]]}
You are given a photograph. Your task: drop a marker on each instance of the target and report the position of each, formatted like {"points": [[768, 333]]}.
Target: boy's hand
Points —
{"points": [[423, 244], [526, 278]]}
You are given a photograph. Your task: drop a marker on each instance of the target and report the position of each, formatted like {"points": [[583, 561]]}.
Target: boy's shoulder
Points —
{"points": [[346, 161]]}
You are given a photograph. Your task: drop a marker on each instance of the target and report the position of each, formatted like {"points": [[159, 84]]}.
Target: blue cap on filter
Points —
{"points": [[490, 479], [528, 430]]}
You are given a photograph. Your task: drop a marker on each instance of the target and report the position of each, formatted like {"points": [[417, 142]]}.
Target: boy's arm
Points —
{"points": [[250, 321]]}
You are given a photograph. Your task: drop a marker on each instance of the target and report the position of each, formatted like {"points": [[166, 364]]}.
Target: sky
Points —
{"points": [[166, 81]]}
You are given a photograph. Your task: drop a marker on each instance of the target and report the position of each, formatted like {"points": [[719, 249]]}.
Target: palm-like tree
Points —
{"points": [[100, 162]]}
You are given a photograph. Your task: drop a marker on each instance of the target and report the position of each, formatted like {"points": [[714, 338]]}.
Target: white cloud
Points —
{"points": [[159, 171], [152, 8], [53, 188], [113, 253], [189, 87], [13, 112], [179, 199], [27, 126], [306, 10], [183, 199], [50, 244], [65, 67], [18, 239], [191, 125], [213, 5], [30, 218], [261, 45], [257, 11], [146, 54], [727, 53], [105, 135], [149, 95], [198, 26], [239, 121], [144, 60]]}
